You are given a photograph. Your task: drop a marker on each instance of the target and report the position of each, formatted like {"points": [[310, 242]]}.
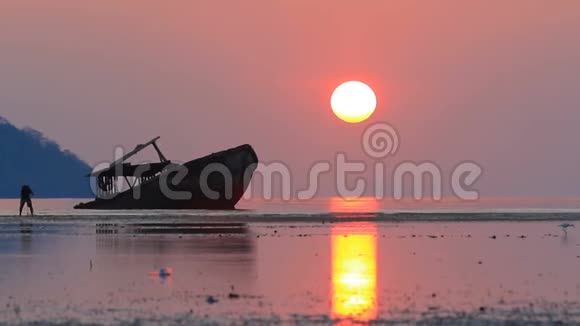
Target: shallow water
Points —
{"points": [[351, 262], [63, 207], [325, 209], [272, 272]]}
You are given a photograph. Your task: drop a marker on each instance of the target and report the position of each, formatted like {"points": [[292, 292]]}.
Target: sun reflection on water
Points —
{"points": [[354, 269]]}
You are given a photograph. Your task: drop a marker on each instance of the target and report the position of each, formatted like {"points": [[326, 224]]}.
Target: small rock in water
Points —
{"points": [[211, 300], [493, 237], [163, 272], [167, 271], [566, 225]]}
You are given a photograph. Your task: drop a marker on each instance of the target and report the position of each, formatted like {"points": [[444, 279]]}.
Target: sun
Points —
{"points": [[353, 101]]}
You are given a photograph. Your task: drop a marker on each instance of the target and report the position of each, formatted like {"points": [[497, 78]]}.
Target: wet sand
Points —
{"points": [[95, 270]]}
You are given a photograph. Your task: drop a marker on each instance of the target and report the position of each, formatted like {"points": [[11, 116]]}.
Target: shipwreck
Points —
{"points": [[216, 181]]}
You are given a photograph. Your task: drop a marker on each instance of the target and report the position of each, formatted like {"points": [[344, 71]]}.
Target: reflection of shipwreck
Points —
{"points": [[171, 228], [216, 181], [213, 238]]}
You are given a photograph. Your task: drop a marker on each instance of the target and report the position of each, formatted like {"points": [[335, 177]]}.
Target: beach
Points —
{"points": [[289, 162], [255, 267]]}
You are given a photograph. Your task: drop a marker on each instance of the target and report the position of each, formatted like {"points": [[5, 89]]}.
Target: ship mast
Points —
{"points": [[106, 178]]}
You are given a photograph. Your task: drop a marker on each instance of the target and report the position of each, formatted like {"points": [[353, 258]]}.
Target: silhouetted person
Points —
{"points": [[26, 198]]}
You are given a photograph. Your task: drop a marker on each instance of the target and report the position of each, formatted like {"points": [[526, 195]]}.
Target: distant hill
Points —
{"points": [[27, 157]]}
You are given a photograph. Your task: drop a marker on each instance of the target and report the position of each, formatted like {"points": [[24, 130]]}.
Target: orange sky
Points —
{"points": [[488, 81]]}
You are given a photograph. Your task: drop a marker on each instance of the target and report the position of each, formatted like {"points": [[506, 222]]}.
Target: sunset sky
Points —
{"points": [[495, 82]]}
